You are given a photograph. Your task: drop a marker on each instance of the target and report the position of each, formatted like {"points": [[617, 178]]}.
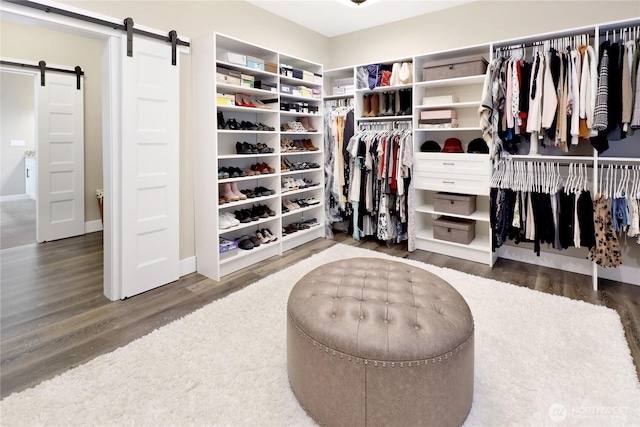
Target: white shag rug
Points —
{"points": [[539, 360]]}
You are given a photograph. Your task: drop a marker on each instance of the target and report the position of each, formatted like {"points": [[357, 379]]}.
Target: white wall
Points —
{"points": [[470, 24], [60, 49], [17, 119]]}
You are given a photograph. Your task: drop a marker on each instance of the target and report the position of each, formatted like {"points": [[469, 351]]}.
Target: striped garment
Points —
{"points": [[601, 114]]}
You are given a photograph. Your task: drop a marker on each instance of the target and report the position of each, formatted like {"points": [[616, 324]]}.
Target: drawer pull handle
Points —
{"points": [[448, 182], [448, 164]]}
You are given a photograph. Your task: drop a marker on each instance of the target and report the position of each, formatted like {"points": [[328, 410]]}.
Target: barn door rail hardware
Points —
{"points": [[42, 66]]}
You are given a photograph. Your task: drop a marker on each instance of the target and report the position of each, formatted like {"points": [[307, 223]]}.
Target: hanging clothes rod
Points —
{"points": [[558, 41]]}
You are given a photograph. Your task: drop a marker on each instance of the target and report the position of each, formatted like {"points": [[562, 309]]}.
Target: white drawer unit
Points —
{"points": [[460, 163], [452, 182]]}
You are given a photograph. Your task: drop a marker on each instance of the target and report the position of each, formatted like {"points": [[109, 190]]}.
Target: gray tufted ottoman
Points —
{"points": [[372, 342]]}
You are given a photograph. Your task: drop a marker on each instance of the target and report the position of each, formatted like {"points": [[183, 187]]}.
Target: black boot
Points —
{"points": [[384, 102], [221, 122], [391, 104]]}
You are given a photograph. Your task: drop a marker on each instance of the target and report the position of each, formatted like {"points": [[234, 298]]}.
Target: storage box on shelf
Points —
{"points": [[339, 83], [238, 162]]}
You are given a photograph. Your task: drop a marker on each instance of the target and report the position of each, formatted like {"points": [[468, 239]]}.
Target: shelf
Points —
{"points": [[247, 201], [247, 178], [480, 243], [300, 133], [458, 81], [246, 70], [298, 82], [300, 232], [451, 105], [384, 118], [298, 98], [477, 215], [246, 156], [345, 96], [247, 131], [384, 88], [295, 211], [242, 253], [542, 157], [301, 190], [295, 114], [300, 171], [223, 88], [296, 153], [245, 109], [247, 225], [464, 129]]}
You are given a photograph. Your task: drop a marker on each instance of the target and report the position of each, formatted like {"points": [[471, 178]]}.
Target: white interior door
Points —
{"points": [[60, 157], [150, 168]]}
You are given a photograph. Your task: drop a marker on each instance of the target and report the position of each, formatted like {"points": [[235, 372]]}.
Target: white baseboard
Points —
{"points": [[546, 259], [93, 226], [14, 197], [622, 273], [187, 266]]}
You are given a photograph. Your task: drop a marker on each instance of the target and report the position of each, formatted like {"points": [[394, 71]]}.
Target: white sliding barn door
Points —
{"points": [[60, 157], [150, 167]]}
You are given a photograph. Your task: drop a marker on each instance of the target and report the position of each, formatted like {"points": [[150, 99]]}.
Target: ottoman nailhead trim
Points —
{"points": [[383, 363]]}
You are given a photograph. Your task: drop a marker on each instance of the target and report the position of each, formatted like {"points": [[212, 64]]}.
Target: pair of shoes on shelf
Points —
{"points": [[310, 183], [306, 124], [230, 192], [289, 184], [266, 236], [290, 205], [248, 242], [262, 168], [263, 192], [231, 172], [262, 211], [292, 127], [227, 220], [244, 100], [245, 216]]}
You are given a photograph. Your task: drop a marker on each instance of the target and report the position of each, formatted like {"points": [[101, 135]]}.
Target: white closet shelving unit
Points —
{"points": [[216, 148], [460, 173], [470, 173]]}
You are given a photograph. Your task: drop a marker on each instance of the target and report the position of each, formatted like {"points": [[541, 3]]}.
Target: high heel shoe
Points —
{"points": [[246, 101]]}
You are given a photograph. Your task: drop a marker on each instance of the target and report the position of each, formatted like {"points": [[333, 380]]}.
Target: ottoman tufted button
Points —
{"points": [[435, 386]]}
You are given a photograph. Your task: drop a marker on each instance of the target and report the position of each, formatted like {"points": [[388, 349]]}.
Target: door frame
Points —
{"points": [[112, 55]]}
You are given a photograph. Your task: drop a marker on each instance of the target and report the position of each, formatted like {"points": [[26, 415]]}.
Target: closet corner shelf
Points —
{"points": [[458, 81], [247, 70], [451, 105], [223, 88], [477, 215]]}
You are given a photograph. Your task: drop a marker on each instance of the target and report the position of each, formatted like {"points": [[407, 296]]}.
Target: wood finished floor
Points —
{"points": [[17, 223], [54, 316]]}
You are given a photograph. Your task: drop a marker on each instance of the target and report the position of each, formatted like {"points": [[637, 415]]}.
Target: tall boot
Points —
{"points": [[408, 102], [391, 104], [397, 110], [366, 106], [384, 100], [221, 123], [375, 105]]}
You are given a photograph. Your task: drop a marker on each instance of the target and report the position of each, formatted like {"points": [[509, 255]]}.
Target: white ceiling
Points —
{"points": [[335, 17]]}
